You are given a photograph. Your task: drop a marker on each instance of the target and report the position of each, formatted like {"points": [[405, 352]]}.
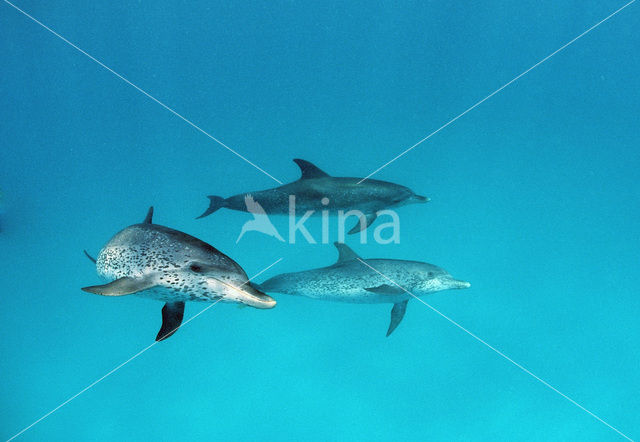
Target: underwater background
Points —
{"points": [[534, 200]]}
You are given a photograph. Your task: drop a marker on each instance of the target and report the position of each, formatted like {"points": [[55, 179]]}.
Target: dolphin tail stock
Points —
{"points": [[397, 313], [172, 314], [215, 203]]}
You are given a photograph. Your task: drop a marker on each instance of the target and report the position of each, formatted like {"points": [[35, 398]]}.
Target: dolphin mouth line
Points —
{"points": [[266, 302]]}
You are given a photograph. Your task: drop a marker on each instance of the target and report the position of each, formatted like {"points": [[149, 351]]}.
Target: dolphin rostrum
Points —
{"points": [[350, 280], [316, 191], [161, 263]]}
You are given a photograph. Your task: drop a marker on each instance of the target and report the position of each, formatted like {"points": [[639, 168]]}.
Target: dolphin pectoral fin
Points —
{"points": [[385, 289], [172, 314], [397, 313], [121, 286], [364, 222], [309, 170], [89, 256]]}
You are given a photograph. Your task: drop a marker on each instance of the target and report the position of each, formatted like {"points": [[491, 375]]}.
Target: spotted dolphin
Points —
{"points": [[157, 262], [316, 190], [351, 279]]}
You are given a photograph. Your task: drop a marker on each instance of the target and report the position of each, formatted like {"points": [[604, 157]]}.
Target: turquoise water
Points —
{"points": [[534, 200]]}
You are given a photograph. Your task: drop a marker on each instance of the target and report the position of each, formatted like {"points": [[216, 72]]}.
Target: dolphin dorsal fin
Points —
{"points": [[309, 170], [147, 219], [345, 253]]}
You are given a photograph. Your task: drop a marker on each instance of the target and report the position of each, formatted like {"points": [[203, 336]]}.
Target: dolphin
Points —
{"points": [[351, 280], [316, 190], [157, 262]]}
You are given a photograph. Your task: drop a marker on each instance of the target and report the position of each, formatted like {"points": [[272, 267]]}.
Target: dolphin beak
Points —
{"points": [[457, 284], [244, 293], [420, 199], [257, 299]]}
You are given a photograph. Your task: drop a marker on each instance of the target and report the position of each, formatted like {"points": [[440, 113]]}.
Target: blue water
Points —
{"points": [[534, 200]]}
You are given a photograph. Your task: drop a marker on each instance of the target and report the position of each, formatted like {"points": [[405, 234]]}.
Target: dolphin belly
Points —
{"points": [[169, 294], [331, 287], [355, 297]]}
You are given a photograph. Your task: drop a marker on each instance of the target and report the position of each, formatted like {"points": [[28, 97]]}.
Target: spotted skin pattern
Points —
{"points": [[183, 267], [348, 281]]}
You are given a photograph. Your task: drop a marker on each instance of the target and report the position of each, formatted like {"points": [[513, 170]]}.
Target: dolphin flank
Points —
{"points": [[350, 280], [161, 263], [316, 190]]}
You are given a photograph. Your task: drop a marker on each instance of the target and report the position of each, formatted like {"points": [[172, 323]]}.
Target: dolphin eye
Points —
{"points": [[195, 268], [430, 274]]}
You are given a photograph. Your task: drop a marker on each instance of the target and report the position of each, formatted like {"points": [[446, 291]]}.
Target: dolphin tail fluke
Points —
{"points": [[215, 203], [172, 314], [397, 313], [364, 222]]}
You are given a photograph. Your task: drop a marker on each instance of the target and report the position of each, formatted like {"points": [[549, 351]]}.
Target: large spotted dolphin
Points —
{"points": [[161, 263], [316, 190], [353, 279]]}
